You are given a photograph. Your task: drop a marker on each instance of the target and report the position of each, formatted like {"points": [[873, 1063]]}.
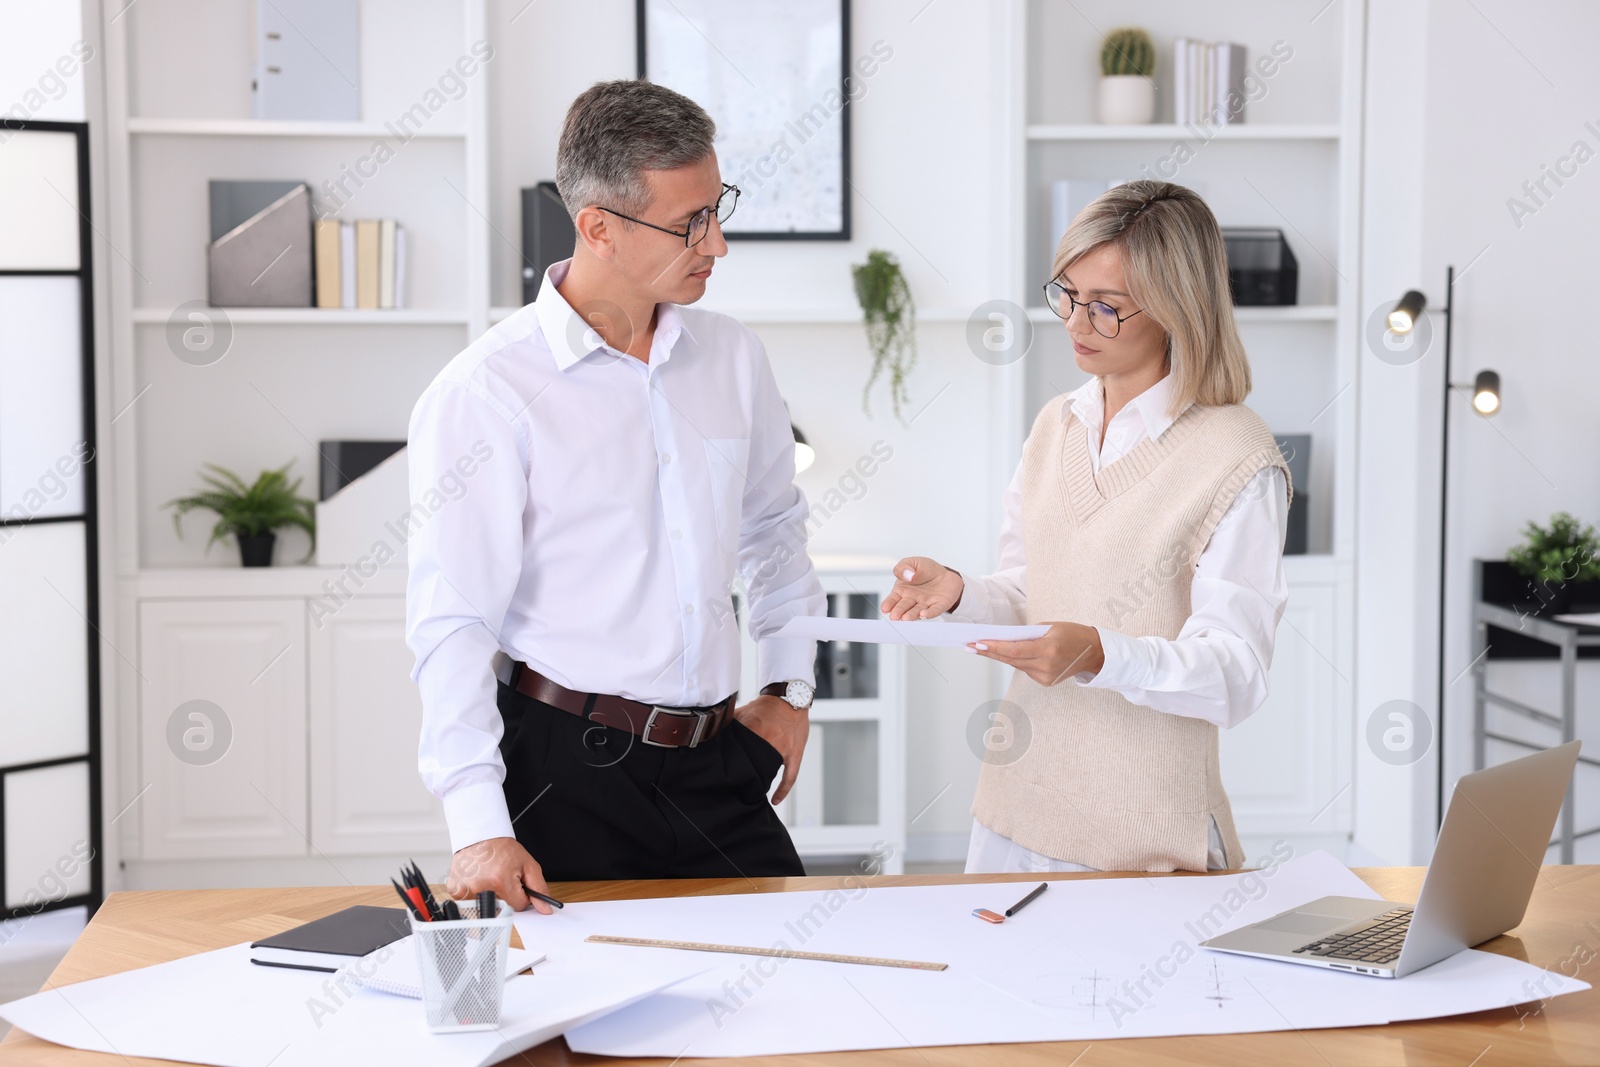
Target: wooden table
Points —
{"points": [[1561, 932]]}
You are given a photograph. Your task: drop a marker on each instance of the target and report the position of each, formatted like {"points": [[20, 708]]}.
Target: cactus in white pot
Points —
{"points": [[1127, 60]]}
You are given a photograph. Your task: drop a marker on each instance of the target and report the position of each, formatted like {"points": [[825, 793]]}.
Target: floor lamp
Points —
{"points": [[1485, 401]]}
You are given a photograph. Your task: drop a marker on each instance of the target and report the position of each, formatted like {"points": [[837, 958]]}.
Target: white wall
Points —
{"points": [[1466, 102], [1510, 88]]}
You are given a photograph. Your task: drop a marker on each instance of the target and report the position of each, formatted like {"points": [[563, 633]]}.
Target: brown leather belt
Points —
{"points": [[654, 725]]}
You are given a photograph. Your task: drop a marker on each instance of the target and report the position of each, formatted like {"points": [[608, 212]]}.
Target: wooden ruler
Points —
{"points": [[782, 953]]}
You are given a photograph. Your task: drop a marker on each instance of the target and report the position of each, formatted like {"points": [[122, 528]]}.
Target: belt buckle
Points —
{"points": [[703, 717]]}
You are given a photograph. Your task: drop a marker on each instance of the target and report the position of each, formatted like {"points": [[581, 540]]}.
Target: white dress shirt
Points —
{"points": [[1216, 668], [586, 512]]}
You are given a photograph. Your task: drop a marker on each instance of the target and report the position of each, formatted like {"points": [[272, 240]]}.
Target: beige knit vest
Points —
{"points": [[1103, 781]]}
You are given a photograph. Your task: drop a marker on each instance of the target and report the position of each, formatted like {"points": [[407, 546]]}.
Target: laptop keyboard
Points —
{"points": [[1378, 943]]}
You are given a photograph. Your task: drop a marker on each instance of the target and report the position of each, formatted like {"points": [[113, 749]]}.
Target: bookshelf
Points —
{"points": [[175, 121]]}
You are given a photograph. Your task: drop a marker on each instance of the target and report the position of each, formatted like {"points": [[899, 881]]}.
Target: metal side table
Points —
{"points": [[1567, 638]]}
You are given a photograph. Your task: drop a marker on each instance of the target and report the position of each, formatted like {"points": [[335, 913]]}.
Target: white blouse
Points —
{"points": [[1216, 668]]}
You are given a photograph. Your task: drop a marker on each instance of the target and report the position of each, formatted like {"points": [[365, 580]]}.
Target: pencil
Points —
{"points": [[1019, 905]]}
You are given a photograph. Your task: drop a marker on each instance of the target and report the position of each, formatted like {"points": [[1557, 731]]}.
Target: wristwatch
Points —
{"points": [[798, 694]]}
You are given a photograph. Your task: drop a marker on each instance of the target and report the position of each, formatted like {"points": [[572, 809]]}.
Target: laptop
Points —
{"points": [[1493, 840]]}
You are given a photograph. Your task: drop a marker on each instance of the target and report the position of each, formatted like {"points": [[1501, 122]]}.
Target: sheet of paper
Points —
{"points": [[928, 633], [1092, 959], [218, 1008], [393, 969]]}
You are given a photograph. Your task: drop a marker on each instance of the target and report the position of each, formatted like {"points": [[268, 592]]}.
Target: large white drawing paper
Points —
{"points": [[928, 633], [1089, 959], [219, 1008]]}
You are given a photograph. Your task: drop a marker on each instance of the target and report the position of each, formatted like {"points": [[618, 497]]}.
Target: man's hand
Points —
{"points": [[500, 864], [1069, 648], [923, 588], [784, 727]]}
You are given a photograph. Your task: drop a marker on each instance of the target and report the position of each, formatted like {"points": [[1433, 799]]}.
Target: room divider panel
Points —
{"points": [[49, 665]]}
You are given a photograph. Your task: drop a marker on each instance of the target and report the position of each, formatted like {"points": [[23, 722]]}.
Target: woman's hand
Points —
{"points": [[1069, 648], [922, 589]]}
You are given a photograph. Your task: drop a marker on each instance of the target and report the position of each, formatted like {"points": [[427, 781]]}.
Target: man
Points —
{"points": [[570, 609]]}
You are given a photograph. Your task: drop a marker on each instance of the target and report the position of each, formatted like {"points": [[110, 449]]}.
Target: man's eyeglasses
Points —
{"points": [[700, 222], [1102, 317]]}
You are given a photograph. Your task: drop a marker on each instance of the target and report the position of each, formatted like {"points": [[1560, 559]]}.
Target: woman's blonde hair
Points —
{"points": [[1177, 270]]}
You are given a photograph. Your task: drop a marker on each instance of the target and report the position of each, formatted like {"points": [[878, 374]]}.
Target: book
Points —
{"points": [[367, 257], [1180, 80], [399, 266], [347, 264], [328, 275], [386, 263], [1195, 101], [1230, 91], [334, 940]]}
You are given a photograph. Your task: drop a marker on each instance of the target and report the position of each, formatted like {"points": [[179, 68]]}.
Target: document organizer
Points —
{"points": [[1262, 271], [463, 968], [265, 261]]}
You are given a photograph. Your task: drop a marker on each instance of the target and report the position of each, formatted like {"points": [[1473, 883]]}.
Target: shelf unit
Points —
{"points": [[849, 797], [166, 138], [1295, 165], [1168, 131]]}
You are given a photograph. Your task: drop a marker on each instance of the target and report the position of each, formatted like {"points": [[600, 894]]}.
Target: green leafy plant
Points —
{"points": [[248, 510], [1566, 551], [1127, 51], [891, 319]]}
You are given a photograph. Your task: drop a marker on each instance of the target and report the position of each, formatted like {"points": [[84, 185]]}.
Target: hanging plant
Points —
{"points": [[891, 319]]}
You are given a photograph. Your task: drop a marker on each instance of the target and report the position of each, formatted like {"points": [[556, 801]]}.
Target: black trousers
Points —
{"points": [[593, 802]]}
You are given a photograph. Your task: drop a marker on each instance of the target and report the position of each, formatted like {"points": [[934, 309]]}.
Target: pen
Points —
{"points": [[1019, 905], [411, 905], [552, 901]]}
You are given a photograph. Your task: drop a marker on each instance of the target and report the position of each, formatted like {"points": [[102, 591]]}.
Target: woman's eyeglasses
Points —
{"points": [[700, 222], [1102, 317]]}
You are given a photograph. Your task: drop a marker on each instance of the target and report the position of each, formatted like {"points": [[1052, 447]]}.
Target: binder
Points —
{"points": [[308, 60], [547, 235]]}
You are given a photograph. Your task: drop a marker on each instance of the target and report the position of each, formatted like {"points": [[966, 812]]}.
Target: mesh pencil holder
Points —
{"points": [[463, 965]]}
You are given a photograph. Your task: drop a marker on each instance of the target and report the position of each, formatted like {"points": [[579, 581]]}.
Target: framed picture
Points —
{"points": [[773, 77]]}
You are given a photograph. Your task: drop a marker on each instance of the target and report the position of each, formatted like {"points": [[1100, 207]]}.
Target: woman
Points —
{"points": [[1145, 524]]}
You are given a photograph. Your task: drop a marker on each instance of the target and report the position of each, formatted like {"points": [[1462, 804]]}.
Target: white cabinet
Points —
{"points": [[366, 795], [269, 729], [222, 728], [1286, 767]]}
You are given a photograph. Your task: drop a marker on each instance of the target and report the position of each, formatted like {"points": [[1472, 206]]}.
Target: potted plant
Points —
{"points": [[1127, 60], [1560, 564], [251, 513], [891, 319]]}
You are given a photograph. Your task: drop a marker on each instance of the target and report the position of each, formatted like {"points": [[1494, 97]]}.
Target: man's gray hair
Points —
{"points": [[617, 130]]}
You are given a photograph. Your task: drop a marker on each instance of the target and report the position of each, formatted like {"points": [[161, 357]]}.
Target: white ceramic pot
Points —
{"points": [[1127, 100]]}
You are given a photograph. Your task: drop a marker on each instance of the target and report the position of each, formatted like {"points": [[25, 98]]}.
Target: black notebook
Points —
{"points": [[328, 943]]}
